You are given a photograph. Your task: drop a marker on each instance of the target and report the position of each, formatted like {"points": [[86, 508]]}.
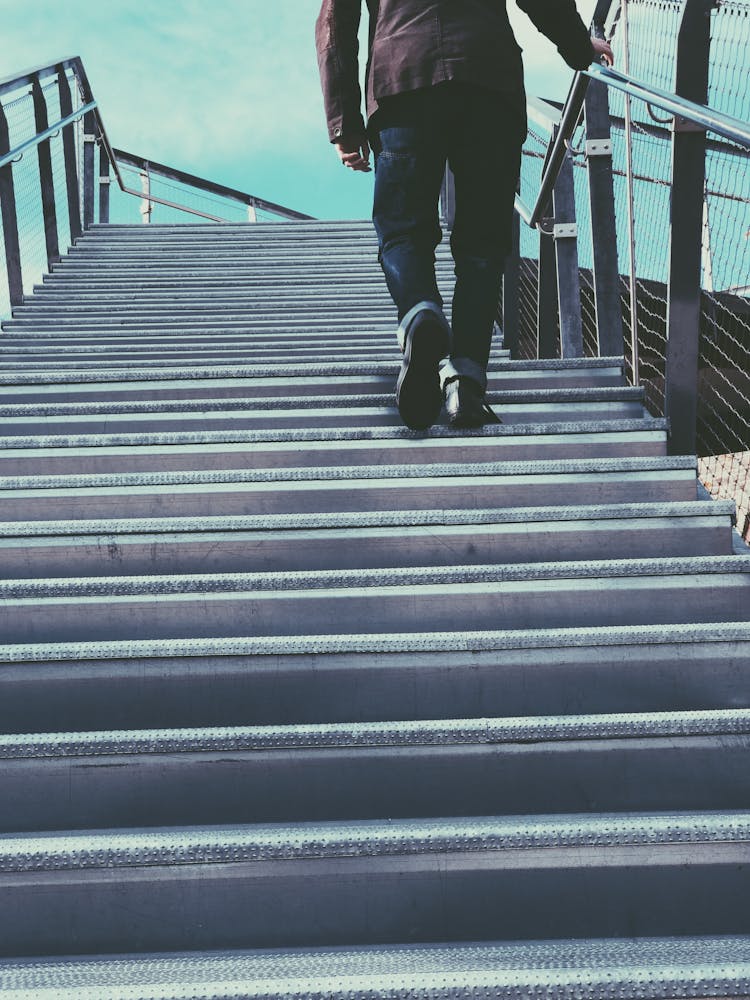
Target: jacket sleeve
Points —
{"points": [[560, 21], [336, 40]]}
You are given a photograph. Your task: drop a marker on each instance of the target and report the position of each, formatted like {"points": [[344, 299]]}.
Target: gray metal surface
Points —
{"points": [[451, 732], [652, 969], [73, 851], [411, 642]]}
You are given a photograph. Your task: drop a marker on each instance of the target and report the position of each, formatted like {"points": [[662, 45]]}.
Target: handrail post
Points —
{"points": [[685, 251], [147, 206], [69, 155], [546, 313], [607, 305], [252, 214], [46, 180], [89, 141], [512, 291], [565, 235], [104, 184], [10, 219]]}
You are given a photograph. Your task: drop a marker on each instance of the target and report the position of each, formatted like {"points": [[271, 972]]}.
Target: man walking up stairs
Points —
{"points": [[299, 702]]}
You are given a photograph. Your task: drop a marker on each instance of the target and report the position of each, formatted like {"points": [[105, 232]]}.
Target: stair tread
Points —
{"points": [[126, 848], [680, 635], [290, 403], [585, 969], [360, 520], [443, 732], [353, 580], [349, 476], [361, 433]]}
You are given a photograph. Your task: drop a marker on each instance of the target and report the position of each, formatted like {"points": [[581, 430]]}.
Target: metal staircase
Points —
{"points": [[279, 673]]}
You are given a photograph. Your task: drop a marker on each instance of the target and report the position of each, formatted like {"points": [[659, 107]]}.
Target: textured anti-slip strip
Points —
{"points": [[155, 407], [298, 435], [314, 402], [647, 968], [647, 636], [280, 842], [452, 470], [350, 579], [361, 520], [443, 732], [270, 370]]}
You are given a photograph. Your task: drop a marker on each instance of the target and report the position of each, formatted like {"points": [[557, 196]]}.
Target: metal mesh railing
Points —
{"points": [[723, 433], [127, 208], [141, 192], [19, 112]]}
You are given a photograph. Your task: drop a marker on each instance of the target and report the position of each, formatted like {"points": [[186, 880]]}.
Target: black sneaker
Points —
{"points": [[425, 336], [465, 404]]}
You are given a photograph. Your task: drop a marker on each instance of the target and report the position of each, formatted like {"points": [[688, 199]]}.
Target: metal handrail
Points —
{"points": [[32, 143], [708, 118], [74, 63], [211, 187], [27, 77], [556, 154], [705, 117]]}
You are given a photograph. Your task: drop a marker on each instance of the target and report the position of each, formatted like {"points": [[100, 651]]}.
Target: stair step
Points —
{"points": [[537, 595], [246, 377], [384, 539], [307, 490], [515, 406], [147, 451], [582, 969], [136, 683], [283, 381], [580, 764], [302, 398], [374, 881]]}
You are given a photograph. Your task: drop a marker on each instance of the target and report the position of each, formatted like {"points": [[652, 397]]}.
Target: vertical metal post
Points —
{"points": [[512, 291], [688, 183], [89, 141], [147, 206], [104, 184], [252, 215], [633, 281], [566, 253], [10, 219], [603, 225], [546, 298], [46, 180], [69, 155]]}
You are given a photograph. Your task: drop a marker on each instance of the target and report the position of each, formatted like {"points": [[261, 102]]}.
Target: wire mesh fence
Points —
{"points": [[189, 202], [19, 112], [650, 28], [128, 208]]}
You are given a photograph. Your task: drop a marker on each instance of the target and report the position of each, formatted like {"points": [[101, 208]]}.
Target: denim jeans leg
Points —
{"points": [[409, 167], [485, 157]]}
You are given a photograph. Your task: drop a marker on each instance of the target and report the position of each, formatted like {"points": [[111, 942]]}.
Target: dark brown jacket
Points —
{"points": [[419, 43]]}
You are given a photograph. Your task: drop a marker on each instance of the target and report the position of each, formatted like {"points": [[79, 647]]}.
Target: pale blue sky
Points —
{"points": [[227, 90]]}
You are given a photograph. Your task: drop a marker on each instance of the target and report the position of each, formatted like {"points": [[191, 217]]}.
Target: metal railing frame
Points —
{"points": [[81, 190], [691, 120]]}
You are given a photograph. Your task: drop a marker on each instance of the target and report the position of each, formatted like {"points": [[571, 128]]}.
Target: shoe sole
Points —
{"points": [[418, 393]]}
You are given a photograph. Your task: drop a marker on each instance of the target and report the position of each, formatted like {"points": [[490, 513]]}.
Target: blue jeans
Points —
{"points": [[479, 133]]}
